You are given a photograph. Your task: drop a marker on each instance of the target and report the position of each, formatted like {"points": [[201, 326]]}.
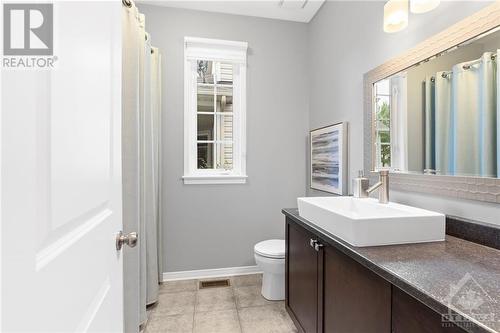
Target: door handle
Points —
{"points": [[312, 242], [130, 239]]}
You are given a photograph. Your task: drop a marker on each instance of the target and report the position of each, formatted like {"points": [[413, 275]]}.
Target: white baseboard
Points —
{"points": [[210, 273]]}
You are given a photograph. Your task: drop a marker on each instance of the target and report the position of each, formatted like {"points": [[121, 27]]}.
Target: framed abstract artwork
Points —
{"points": [[328, 147]]}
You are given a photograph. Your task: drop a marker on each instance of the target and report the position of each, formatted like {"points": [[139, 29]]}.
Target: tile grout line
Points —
{"points": [[233, 293], [236, 307], [195, 302]]}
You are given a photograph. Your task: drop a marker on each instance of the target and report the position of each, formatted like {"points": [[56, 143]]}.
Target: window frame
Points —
{"points": [[221, 51]]}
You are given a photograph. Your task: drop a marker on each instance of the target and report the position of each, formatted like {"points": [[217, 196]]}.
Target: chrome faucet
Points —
{"points": [[382, 185]]}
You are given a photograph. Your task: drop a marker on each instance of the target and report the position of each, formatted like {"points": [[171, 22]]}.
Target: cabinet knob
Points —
{"points": [[318, 246]]}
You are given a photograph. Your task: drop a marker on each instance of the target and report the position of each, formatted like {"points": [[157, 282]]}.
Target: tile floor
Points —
{"points": [[182, 307]]}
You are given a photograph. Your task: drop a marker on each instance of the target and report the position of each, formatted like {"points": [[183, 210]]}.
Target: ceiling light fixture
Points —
{"points": [[395, 15], [423, 6], [293, 4]]}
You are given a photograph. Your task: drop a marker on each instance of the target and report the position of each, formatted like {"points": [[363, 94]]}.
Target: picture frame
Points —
{"points": [[328, 158]]}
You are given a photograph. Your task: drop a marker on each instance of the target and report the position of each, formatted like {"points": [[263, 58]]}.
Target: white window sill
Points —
{"points": [[215, 179]]}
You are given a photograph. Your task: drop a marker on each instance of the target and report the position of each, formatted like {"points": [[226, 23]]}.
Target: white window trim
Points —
{"points": [[217, 50]]}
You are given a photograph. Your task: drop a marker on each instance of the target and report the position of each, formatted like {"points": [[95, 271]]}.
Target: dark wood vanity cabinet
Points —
{"points": [[302, 278], [329, 292], [326, 291], [411, 316], [355, 299]]}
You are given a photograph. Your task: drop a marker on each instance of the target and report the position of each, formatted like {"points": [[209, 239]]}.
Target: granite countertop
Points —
{"points": [[442, 275]]}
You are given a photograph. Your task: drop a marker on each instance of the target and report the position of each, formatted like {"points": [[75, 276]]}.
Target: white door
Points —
{"points": [[61, 180]]}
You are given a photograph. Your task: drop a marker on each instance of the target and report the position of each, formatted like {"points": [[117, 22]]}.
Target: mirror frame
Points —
{"points": [[463, 187]]}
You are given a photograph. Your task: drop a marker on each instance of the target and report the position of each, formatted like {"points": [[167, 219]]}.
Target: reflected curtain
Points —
{"points": [[465, 121], [498, 119], [465, 107], [474, 113], [488, 115], [429, 165], [443, 126], [399, 144]]}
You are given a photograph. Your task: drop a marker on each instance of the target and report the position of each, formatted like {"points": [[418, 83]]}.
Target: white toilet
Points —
{"points": [[270, 257]]}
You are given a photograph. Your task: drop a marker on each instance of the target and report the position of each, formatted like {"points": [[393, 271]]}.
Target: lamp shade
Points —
{"points": [[395, 15], [423, 6]]}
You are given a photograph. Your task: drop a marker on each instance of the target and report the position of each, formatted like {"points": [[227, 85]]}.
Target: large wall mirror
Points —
{"points": [[432, 116]]}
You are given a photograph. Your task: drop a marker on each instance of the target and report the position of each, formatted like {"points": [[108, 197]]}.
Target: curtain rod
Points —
{"points": [[468, 65]]}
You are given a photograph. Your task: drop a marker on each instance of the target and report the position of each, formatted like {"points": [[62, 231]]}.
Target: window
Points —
{"points": [[214, 111]]}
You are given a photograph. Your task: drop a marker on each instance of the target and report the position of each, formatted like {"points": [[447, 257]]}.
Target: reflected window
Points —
{"points": [[383, 123]]}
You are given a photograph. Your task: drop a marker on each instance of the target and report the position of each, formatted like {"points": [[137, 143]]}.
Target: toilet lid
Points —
{"points": [[272, 248]]}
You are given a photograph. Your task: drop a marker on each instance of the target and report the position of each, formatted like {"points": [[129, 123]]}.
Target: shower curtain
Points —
{"points": [[463, 106], [150, 178], [156, 116], [142, 171], [141, 135], [130, 161]]}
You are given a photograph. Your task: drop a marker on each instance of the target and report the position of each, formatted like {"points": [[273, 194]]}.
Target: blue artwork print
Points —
{"points": [[326, 159]]}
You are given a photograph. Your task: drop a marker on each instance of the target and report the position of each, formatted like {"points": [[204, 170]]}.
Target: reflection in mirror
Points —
{"points": [[441, 116]]}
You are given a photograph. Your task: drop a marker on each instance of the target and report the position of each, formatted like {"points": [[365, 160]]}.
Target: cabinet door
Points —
{"points": [[355, 299], [411, 316], [302, 278]]}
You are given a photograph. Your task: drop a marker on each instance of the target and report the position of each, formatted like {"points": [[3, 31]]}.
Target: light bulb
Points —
{"points": [[395, 15], [423, 6]]}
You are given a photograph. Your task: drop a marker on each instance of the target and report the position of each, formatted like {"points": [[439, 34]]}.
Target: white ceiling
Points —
{"points": [[290, 10]]}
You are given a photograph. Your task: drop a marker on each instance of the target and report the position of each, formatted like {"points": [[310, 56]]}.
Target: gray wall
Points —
{"points": [[214, 226], [345, 41]]}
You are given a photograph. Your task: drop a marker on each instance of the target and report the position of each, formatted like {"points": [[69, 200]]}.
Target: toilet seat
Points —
{"points": [[272, 248]]}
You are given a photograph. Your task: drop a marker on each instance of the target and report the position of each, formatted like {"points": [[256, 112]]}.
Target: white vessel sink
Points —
{"points": [[365, 222]]}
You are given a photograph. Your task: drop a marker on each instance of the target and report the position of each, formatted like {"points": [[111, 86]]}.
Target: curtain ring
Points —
{"points": [[127, 3]]}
